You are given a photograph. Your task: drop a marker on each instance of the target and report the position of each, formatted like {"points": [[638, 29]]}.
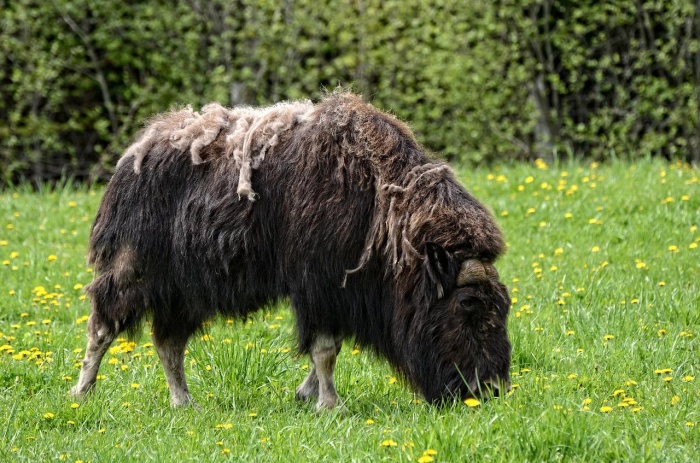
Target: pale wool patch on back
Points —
{"points": [[250, 133]]}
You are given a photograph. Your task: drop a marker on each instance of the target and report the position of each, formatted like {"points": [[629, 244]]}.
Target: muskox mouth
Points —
{"points": [[488, 389]]}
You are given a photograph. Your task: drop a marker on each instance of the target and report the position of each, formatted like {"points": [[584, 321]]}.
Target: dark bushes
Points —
{"points": [[477, 81]]}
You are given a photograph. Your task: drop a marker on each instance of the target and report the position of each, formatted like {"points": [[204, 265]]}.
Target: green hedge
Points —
{"points": [[477, 81], [613, 78]]}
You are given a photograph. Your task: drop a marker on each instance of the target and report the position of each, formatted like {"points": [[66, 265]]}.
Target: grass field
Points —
{"points": [[604, 271]]}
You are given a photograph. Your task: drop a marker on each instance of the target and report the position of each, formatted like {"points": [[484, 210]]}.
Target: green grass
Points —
{"points": [[603, 267]]}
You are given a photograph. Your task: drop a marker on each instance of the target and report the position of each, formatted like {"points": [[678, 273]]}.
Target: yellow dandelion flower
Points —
{"points": [[135, 385], [662, 283], [369, 422], [673, 248], [74, 405], [668, 379], [687, 379], [472, 402], [605, 409], [618, 392], [692, 245], [690, 424], [675, 399], [425, 459], [595, 249], [48, 415], [388, 443], [252, 414], [663, 371], [608, 337]]}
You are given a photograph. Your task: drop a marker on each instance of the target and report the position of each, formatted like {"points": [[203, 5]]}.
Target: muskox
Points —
{"points": [[332, 205]]}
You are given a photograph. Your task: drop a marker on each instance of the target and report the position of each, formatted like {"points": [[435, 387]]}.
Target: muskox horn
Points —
{"points": [[474, 271]]}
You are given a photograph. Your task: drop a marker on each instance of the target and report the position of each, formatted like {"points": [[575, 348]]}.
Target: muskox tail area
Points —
{"points": [[117, 294]]}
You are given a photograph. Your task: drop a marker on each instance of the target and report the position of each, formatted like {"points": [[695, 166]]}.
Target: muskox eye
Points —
{"points": [[471, 304]]}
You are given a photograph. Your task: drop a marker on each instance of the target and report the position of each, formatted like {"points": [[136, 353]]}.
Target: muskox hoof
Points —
{"points": [[78, 392], [191, 404], [308, 390], [306, 394], [334, 404], [183, 401]]}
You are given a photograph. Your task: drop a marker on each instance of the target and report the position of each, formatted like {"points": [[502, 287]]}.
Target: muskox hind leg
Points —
{"points": [[319, 383], [100, 336], [171, 351]]}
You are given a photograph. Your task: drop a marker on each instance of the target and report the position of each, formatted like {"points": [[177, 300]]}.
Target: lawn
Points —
{"points": [[603, 267]]}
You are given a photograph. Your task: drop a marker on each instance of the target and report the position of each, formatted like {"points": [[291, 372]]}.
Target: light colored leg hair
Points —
{"points": [[319, 383], [100, 336], [308, 389], [171, 352]]}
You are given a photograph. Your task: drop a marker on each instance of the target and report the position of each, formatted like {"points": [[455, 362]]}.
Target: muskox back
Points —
{"points": [[333, 205]]}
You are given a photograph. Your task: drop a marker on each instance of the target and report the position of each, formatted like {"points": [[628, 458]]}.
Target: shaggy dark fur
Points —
{"points": [[351, 221]]}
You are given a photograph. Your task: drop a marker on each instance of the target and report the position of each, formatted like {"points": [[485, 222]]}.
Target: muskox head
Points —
{"points": [[461, 347]]}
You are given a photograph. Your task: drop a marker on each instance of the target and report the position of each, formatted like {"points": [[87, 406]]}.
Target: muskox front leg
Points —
{"points": [[319, 382], [100, 336], [171, 351]]}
